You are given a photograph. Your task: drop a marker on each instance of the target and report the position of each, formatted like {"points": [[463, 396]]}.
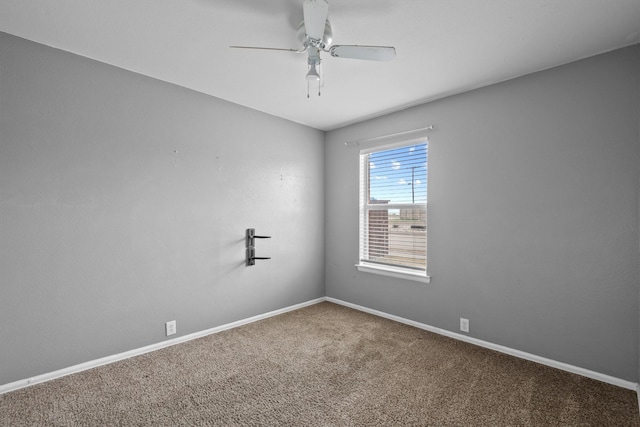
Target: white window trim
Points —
{"points": [[399, 273], [387, 270]]}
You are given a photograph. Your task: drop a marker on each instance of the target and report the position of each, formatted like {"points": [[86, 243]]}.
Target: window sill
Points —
{"points": [[394, 272]]}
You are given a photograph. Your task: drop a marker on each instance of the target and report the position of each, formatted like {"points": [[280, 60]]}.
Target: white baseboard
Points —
{"points": [[5, 388], [142, 350], [502, 349]]}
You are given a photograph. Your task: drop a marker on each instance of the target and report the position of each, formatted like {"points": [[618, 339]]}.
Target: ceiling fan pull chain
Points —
{"points": [[307, 89]]}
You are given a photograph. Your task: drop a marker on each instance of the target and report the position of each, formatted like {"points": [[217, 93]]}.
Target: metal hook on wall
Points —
{"points": [[251, 250]]}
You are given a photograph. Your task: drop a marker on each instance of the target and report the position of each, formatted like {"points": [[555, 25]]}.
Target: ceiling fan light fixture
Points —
{"points": [[313, 75]]}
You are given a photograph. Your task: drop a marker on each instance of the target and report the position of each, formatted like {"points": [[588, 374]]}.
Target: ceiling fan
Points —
{"points": [[315, 35]]}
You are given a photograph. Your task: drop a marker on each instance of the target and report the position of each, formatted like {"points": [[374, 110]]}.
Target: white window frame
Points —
{"points": [[371, 267]]}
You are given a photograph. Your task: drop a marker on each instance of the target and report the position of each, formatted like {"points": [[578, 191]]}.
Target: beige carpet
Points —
{"points": [[324, 365]]}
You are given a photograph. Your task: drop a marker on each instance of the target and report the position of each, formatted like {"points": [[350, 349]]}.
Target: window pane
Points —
{"points": [[393, 202], [398, 237]]}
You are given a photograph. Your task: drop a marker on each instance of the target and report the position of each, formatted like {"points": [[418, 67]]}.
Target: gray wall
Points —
{"points": [[124, 202], [533, 214]]}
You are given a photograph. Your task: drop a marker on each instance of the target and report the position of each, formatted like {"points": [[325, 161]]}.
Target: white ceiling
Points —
{"points": [[443, 46]]}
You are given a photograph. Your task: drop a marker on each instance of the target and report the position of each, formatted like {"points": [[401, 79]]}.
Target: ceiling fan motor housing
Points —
{"points": [[327, 37]]}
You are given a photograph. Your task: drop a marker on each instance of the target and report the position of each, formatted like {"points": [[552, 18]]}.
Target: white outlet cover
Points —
{"points": [[170, 327], [464, 324]]}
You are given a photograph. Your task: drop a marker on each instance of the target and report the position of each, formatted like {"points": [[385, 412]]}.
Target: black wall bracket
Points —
{"points": [[251, 250]]}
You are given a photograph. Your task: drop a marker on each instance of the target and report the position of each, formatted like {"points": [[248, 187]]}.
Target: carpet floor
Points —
{"points": [[322, 365]]}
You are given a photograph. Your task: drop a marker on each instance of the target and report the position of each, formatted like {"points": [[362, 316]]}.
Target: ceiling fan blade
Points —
{"points": [[370, 53], [267, 48], [315, 16]]}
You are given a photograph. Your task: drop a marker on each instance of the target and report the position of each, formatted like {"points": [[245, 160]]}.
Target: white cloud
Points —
{"points": [[372, 165], [402, 182], [379, 177], [417, 181], [395, 165]]}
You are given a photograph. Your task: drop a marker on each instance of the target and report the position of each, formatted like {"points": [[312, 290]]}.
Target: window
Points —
{"points": [[393, 210]]}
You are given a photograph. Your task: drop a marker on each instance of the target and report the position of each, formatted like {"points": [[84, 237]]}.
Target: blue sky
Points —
{"points": [[391, 171]]}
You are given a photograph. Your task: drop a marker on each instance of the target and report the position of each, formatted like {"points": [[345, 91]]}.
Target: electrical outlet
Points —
{"points": [[170, 327], [464, 324]]}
